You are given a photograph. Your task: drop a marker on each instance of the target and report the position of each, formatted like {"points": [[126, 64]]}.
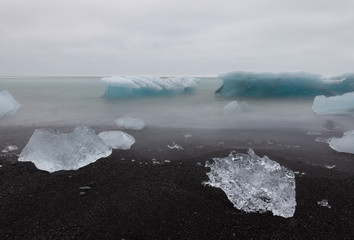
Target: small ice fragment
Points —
{"points": [[117, 139], [122, 159], [221, 143], [187, 135], [0, 166], [254, 184], [199, 147], [167, 161], [8, 105], [52, 150], [321, 139], [313, 133], [324, 203], [155, 162], [296, 172], [10, 148], [343, 144], [133, 160], [199, 164], [270, 143], [234, 108], [129, 123], [330, 166], [175, 146], [85, 188]]}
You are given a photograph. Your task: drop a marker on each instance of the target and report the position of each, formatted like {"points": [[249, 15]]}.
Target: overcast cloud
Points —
{"points": [[205, 37]]}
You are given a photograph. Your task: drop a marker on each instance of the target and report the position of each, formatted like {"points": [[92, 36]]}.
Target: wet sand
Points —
{"points": [[141, 200]]}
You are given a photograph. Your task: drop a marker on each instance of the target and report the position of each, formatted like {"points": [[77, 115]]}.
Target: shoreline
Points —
{"points": [[133, 200]]}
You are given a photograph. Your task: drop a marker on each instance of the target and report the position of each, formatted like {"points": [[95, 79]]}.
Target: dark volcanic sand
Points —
{"points": [[139, 200]]}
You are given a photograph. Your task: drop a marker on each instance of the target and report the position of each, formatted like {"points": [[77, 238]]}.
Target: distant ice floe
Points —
{"points": [[8, 105], [129, 123], [52, 150], [343, 104], [343, 144], [254, 184], [234, 108], [133, 86], [117, 139], [285, 84], [324, 203]]}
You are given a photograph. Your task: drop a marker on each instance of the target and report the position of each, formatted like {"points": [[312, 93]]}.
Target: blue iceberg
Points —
{"points": [[138, 86], [343, 104], [300, 84]]}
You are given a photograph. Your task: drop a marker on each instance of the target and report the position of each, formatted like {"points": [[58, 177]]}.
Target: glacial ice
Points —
{"points": [[8, 105], [52, 150], [129, 123], [117, 139], [132, 86], [254, 184], [234, 108], [300, 84], [343, 144], [343, 104]]}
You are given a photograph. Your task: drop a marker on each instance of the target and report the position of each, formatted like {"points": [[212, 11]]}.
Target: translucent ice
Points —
{"points": [[324, 203], [8, 105], [251, 84], [52, 150], [129, 123], [130, 86], [343, 104], [234, 107], [117, 139], [343, 144], [254, 184]]}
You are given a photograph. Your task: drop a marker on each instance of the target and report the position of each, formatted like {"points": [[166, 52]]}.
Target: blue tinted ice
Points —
{"points": [[343, 104], [254, 184], [133, 86], [250, 84], [52, 150], [8, 105]]}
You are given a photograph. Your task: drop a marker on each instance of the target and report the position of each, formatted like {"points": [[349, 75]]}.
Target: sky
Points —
{"points": [[175, 37]]}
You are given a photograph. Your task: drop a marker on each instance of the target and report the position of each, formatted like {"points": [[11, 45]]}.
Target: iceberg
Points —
{"points": [[129, 123], [234, 108], [8, 105], [343, 144], [254, 184], [138, 86], [117, 139], [52, 150], [300, 84], [343, 104]]}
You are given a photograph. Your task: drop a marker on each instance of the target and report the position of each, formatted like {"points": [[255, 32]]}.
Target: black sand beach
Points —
{"points": [[140, 200]]}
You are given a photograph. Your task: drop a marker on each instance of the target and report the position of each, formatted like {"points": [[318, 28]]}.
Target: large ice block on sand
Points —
{"points": [[8, 105], [129, 123], [132, 86], [52, 150], [343, 104], [117, 139], [343, 144], [300, 84], [254, 184]]}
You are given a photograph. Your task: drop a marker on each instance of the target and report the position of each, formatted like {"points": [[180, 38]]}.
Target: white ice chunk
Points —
{"points": [[175, 146], [8, 105], [343, 104], [343, 144], [52, 150], [324, 203], [10, 148], [234, 107], [117, 139], [254, 184], [129, 123]]}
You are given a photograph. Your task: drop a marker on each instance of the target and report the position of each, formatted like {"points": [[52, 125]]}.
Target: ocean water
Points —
{"points": [[68, 101]]}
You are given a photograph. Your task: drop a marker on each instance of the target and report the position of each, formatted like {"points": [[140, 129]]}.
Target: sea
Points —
{"points": [[69, 101]]}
